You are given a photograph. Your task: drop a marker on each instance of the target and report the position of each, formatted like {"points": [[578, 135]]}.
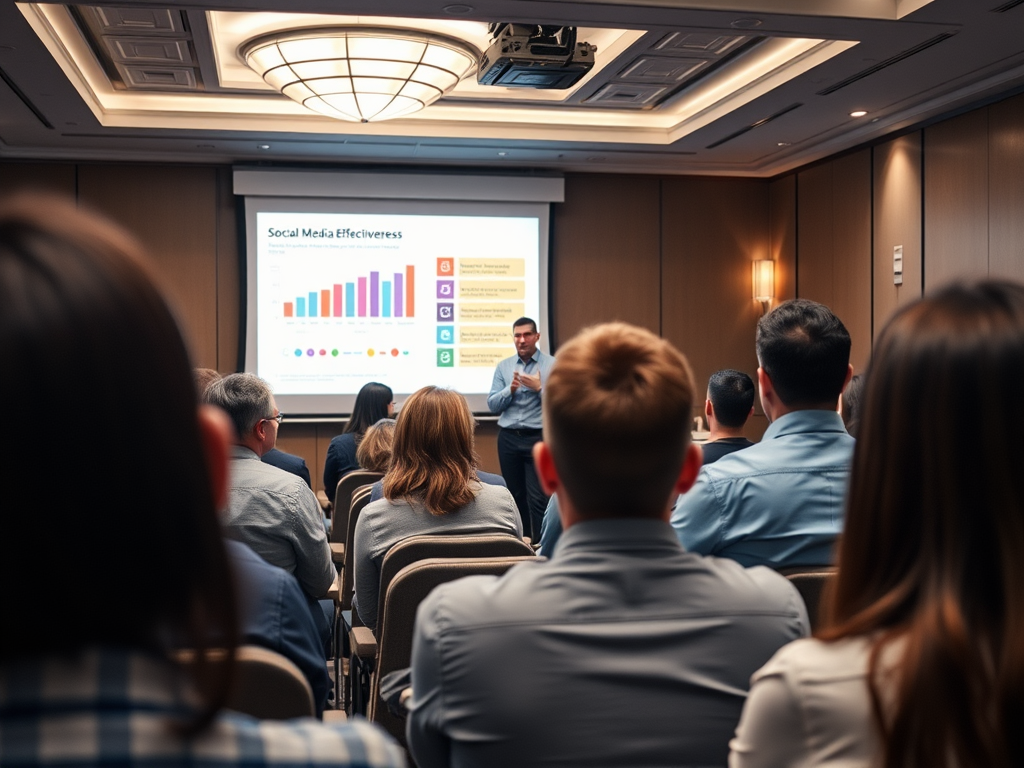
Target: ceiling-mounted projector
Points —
{"points": [[534, 56]]}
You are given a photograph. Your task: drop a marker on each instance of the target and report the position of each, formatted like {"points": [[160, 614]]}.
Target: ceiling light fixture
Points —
{"points": [[361, 74], [858, 113]]}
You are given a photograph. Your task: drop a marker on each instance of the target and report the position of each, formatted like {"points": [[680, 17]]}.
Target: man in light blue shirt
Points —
{"points": [[780, 502], [516, 396]]}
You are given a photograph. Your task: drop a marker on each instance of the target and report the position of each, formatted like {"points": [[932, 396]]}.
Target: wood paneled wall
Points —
{"points": [[834, 244]]}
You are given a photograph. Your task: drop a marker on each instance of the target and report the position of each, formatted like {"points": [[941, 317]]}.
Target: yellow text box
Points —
{"points": [[492, 267], [490, 312], [503, 290], [481, 357], [485, 334]]}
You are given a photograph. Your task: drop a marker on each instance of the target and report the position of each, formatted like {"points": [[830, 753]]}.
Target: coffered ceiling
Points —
{"points": [[741, 87]]}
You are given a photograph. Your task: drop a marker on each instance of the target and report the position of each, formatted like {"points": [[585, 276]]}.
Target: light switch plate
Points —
{"points": [[897, 265]]}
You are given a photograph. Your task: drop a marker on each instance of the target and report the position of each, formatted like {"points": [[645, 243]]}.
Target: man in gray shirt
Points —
{"points": [[272, 511], [622, 649]]}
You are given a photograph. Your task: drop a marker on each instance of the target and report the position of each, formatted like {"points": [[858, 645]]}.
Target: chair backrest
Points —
{"points": [[426, 546], [343, 498], [360, 498], [811, 581], [267, 685], [397, 620]]}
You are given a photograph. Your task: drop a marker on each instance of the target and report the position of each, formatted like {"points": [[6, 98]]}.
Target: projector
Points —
{"points": [[534, 56]]}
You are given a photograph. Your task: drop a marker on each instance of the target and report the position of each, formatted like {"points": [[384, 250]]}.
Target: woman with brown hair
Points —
{"points": [[922, 663], [94, 361], [431, 487]]}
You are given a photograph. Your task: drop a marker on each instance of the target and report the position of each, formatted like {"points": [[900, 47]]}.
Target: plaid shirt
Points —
{"points": [[110, 707]]}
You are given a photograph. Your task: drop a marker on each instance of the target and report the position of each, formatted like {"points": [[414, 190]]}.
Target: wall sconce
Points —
{"points": [[763, 282]]}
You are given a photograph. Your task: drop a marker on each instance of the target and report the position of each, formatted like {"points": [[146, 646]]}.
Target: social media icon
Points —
{"points": [[445, 289], [445, 358], [445, 311], [445, 334], [445, 266]]}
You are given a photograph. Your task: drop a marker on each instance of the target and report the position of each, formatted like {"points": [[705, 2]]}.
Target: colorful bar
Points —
{"points": [[350, 299], [410, 291], [385, 288], [289, 309], [375, 294], [362, 297], [337, 300], [312, 303], [300, 307], [398, 294], [325, 303]]}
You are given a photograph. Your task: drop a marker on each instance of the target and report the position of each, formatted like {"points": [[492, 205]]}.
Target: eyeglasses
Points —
{"points": [[279, 418], [518, 336]]}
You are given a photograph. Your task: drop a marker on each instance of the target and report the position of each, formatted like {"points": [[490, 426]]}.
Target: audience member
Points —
{"points": [[729, 404], [373, 403], [849, 404], [780, 502], [274, 611], [275, 614], [430, 487], [94, 683], [623, 649], [275, 457], [270, 510], [921, 663], [374, 451]]}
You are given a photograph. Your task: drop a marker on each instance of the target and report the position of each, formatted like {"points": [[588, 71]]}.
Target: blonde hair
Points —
{"points": [[617, 410], [374, 451], [433, 459]]}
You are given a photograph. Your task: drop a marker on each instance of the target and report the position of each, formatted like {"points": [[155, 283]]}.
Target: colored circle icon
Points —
{"points": [[309, 352], [370, 352], [334, 353], [394, 353], [298, 353], [323, 352]]}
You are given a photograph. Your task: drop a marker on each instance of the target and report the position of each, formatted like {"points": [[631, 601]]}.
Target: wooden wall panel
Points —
{"points": [[229, 287], [711, 230], [38, 177], [605, 254], [172, 210], [1006, 189], [956, 190], [851, 249], [299, 438], [897, 219], [782, 235], [814, 268]]}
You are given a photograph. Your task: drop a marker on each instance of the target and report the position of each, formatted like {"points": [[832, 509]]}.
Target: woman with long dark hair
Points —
{"points": [[374, 402], [98, 387], [922, 663], [431, 487]]}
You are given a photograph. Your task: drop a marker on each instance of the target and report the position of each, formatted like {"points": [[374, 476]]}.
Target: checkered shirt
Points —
{"points": [[115, 708]]}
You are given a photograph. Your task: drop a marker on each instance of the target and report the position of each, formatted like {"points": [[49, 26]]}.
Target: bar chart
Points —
{"points": [[365, 296]]}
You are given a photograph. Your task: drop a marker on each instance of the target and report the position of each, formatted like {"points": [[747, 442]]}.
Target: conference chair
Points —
{"points": [[266, 684], [396, 623], [344, 617], [811, 581], [363, 641], [347, 486]]}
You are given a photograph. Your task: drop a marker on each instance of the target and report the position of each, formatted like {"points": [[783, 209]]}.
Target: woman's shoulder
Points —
{"points": [[810, 661], [343, 440]]}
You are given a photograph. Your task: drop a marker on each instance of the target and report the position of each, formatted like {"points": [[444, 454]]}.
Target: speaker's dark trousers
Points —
{"points": [[515, 452]]}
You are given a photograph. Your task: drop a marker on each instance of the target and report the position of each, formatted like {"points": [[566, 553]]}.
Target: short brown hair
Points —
{"points": [[617, 408], [433, 458], [204, 377], [374, 451]]}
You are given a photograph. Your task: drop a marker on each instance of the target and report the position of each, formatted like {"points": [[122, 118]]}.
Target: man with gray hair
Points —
{"points": [[270, 510]]}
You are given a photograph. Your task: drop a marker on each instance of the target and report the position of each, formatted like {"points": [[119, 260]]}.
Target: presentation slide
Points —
{"points": [[408, 300]]}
